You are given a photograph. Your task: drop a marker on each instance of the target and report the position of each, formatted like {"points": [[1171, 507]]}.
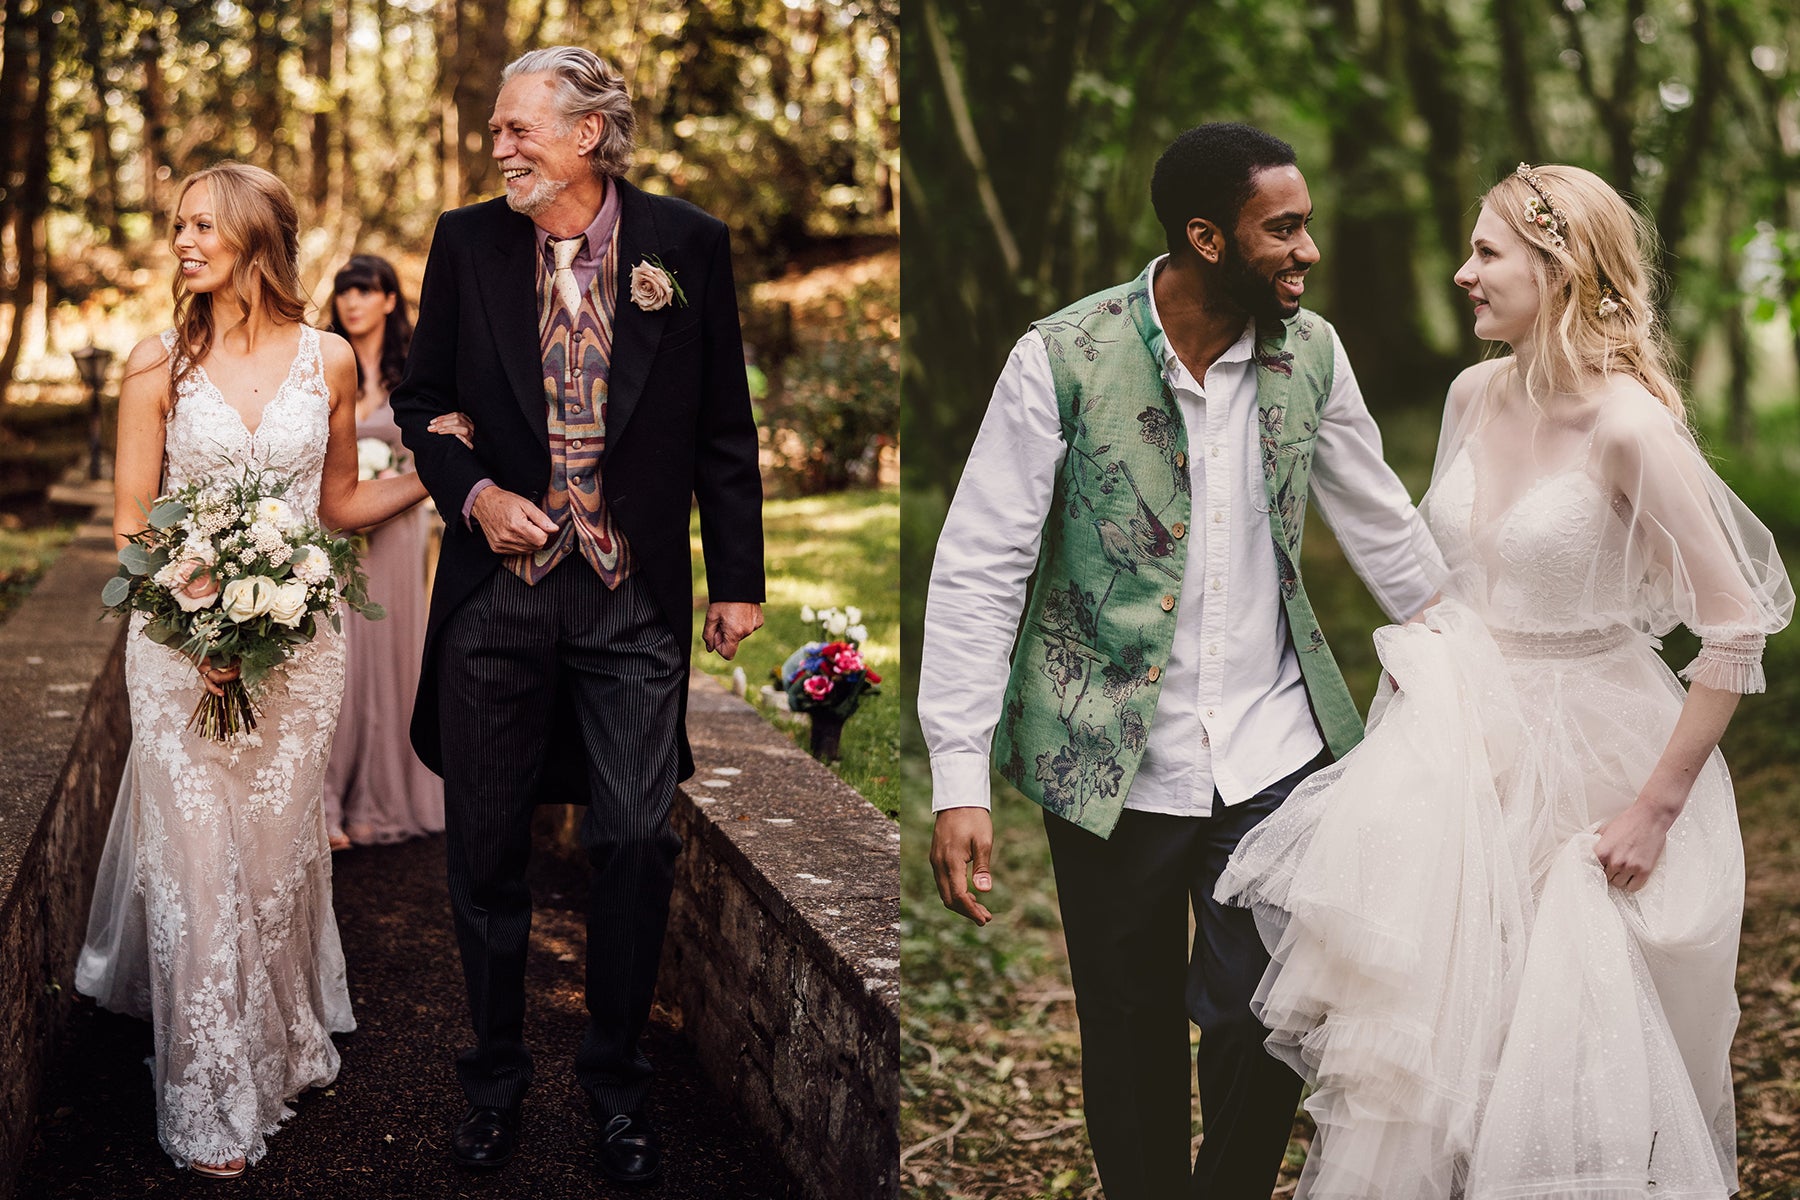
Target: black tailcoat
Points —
{"points": [[678, 424]]}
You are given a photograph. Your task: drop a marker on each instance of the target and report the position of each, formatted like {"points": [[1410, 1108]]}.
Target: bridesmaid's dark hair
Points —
{"points": [[372, 273]]}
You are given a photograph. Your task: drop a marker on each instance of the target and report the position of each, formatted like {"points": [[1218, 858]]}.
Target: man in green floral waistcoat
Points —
{"points": [[1145, 465]]}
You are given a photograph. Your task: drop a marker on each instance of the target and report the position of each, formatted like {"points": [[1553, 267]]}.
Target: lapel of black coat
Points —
{"points": [[635, 332], [509, 281]]}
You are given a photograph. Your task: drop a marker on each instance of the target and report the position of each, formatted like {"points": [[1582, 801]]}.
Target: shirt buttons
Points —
{"points": [[1168, 603], [1179, 530], [1218, 518], [1216, 584], [1213, 649], [1154, 673], [1214, 452]]}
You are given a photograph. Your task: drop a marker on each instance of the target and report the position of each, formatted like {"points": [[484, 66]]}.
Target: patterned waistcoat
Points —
{"points": [[1087, 669], [577, 355]]}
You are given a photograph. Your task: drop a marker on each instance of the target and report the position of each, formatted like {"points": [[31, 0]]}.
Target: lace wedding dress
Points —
{"points": [[1481, 1014], [212, 909]]}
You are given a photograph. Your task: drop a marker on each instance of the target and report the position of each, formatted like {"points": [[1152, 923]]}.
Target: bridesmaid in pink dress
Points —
{"points": [[376, 789]]}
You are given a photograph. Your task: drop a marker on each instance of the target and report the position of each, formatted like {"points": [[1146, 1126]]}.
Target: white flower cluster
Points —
{"points": [[269, 541], [311, 566], [250, 597], [845, 623]]}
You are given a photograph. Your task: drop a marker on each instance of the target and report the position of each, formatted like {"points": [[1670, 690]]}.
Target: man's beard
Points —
{"points": [[1253, 293], [541, 196]]}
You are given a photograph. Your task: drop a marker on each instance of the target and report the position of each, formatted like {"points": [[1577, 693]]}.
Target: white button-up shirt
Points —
{"points": [[1233, 715]]}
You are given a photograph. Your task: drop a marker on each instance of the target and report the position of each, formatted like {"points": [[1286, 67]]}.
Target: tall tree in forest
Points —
{"points": [[28, 225]]}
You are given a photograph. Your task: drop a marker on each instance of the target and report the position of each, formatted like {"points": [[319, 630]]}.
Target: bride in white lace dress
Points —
{"points": [[1504, 928], [212, 910]]}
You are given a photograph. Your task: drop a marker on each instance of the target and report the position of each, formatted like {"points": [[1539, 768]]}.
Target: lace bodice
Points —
{"points": [[1599, 515], [1552, 562], [206, 436]]}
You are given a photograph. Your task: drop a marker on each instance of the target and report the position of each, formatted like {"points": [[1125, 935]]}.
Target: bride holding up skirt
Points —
{"points": [[1504, 928]]}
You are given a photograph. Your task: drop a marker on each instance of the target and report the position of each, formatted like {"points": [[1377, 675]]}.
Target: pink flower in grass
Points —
{"points": [[817, 686]]}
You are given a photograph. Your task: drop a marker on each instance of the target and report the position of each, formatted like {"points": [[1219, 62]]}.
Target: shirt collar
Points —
{"points": [[1241, 350], [604, 222]]}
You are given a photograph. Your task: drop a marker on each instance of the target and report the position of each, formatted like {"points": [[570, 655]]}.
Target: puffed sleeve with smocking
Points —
{"points": [[1705, 560]]}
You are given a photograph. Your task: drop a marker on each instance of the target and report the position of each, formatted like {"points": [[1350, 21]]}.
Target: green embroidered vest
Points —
{"points": [[1086, 671]]}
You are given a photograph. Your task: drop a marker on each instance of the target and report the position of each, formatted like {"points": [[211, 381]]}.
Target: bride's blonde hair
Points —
{"points": [[1596, 282], [255, 216]]}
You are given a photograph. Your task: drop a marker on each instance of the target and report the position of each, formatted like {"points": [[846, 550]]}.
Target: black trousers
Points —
{"points": [[1125, 902], [507, 656]]}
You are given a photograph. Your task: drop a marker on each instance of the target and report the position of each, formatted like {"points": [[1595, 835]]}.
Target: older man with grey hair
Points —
{"points": [[590, 330]]}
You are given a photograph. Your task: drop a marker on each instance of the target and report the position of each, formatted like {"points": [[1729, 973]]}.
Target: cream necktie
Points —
{"points": [[563, 278]]}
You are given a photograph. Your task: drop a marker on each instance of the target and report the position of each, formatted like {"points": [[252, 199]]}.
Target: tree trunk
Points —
{"points": [[34, 192], [154, 102], [1516, 85], [103, 182], [319, 26], [1431, 54], [15, 75]]}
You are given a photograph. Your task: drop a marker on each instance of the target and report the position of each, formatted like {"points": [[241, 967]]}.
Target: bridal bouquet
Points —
{"points": [[230, 571], [830, 675]]}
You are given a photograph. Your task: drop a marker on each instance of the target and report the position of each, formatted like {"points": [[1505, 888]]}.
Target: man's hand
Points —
{"points": [[962, 843], [729, 622], [512, 524]]}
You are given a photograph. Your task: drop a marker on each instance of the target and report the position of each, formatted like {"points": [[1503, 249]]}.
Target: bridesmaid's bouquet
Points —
{"points": [[230, 571]]}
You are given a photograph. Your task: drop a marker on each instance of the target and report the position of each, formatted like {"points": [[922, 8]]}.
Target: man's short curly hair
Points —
{"points": [[1209, 172]]}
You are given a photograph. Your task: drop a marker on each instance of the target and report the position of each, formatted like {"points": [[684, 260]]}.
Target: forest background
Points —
{"points": [[1028, 148]]}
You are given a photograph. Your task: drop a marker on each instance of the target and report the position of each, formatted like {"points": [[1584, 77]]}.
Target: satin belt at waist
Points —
{"points": [[1580, 643]]}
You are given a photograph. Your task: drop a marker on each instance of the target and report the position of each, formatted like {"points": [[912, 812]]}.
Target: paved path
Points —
{"points": [[383, 1129]]}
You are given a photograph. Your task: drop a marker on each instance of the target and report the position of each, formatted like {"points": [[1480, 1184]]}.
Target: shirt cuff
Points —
{"points": [[959, 779], [481, 485]]}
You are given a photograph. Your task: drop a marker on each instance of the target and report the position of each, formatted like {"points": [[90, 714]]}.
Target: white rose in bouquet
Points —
{"points": [[853, 613], [836, 624], [373, 456], [857, 633], [289, 603], [248, 598]]}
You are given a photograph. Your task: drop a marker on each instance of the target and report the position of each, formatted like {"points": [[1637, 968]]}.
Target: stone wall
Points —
{"points": [[783, 950], [66, 735], [783, 954]]}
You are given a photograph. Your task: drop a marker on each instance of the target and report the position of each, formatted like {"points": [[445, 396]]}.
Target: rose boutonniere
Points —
{"points": [[653, 285]]}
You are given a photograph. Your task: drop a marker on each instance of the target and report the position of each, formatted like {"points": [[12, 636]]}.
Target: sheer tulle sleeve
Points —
{"points": [[1704, 559]]}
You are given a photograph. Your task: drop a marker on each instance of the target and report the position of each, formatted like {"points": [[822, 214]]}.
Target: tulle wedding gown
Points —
{"points": [[212, 909], [1481, 1014]]}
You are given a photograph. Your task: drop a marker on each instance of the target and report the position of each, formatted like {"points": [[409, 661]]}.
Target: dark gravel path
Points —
{"points": [[383, 1129]]}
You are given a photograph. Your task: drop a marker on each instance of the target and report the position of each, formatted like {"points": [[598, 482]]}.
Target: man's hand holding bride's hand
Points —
{"points": [[1632, 843], [511, 523], [962, 845], [729, 622]]}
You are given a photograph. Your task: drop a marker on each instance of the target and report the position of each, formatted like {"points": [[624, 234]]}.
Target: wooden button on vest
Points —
{"points": [[1179, 530], [1155, 673], [1168, 604]]}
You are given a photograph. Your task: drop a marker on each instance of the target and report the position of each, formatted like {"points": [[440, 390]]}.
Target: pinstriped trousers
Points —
{"points": [[518, 662]]}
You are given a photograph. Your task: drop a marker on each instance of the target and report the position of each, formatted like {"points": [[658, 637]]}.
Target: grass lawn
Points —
{"points": [[25, 554], [840, 549], [991, 1102]]}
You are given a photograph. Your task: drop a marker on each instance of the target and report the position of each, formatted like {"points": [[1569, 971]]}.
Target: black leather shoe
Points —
{"points": [[629, 1152], [486, 1137]]}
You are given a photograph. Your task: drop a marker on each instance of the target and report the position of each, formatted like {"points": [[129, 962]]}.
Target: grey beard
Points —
{"points": [[538, 198]]}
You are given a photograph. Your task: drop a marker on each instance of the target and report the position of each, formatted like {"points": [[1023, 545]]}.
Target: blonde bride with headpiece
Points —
{"points": [[1504, 929]]}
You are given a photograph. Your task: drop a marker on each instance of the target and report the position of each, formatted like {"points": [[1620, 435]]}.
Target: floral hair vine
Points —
{"points": [[1610, 302], [1541, 210]]}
